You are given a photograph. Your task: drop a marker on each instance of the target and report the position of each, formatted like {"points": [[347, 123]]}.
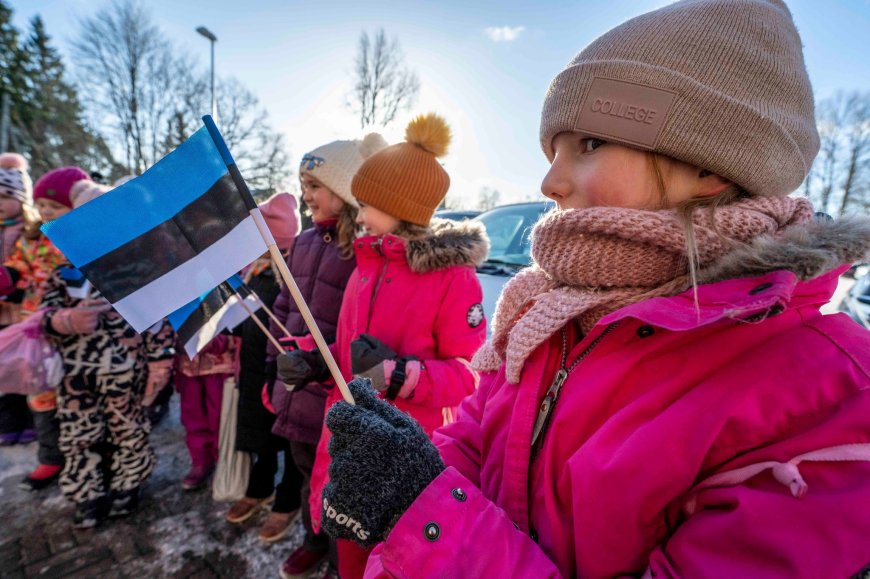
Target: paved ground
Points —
{"points": [[175, 534]]}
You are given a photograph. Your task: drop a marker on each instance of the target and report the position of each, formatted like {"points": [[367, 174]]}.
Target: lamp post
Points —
{"points": [[212, 39]]}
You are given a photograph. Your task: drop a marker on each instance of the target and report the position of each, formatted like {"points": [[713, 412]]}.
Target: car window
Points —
{"points": [[509, 229]]}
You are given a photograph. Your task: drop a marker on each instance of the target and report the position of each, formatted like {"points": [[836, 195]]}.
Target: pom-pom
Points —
{"points": [[429, 132], [80, 186], [371, 144], [13, 161]]}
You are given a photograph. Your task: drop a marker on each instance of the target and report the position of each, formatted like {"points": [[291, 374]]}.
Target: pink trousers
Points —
{"points": [[201, 415]]}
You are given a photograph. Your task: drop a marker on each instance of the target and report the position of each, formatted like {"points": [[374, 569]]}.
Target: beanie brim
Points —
{"points": [[373, 194], [751, 149]]}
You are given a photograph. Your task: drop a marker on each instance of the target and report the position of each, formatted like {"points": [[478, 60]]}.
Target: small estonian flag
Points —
{"points": [[167, 237], [198, 322], [77, 287]]}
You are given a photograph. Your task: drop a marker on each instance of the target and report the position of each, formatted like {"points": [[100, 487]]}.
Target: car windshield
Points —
{"points": [[509, 229]]}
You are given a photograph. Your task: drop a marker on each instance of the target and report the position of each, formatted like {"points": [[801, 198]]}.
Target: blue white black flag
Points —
{"points": [[198, 322], [161, 240]]}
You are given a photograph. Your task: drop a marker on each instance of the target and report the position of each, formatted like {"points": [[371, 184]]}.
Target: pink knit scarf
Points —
{"points": [[590, 262]]}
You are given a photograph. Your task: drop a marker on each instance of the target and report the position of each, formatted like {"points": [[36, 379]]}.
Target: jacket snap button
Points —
{"points": [[389, 279], [432, 531], [760, 288], [365, 279], [645, 331], [459, 495], [360, 245]]}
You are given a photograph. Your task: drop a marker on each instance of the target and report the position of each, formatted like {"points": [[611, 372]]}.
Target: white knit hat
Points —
{"points": [[335, 163], [86, 190]]}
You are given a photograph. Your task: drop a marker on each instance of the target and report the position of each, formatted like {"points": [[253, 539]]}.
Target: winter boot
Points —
{"points": [[89, 514], [27, 436], [301, 563], [9, 438], [124, 503], [197, 477], [41, 477]]}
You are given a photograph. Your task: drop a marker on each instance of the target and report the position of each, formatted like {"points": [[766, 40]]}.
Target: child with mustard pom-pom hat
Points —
{"points": [[411, 316]]}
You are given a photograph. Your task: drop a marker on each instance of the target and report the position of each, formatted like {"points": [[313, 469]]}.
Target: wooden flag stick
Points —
{"points": [[270, 314], [277, 258], [302, 306], [260, 324]]}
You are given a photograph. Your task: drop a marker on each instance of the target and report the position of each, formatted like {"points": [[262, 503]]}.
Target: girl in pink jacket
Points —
{"points": [[411, 316], [661, 396]]}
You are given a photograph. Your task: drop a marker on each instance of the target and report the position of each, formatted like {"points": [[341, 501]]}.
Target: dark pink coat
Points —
{"points": [[666, 400], [420, 298]]}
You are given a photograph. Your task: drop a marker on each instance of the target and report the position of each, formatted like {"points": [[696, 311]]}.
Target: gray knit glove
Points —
{"points": [[381, 461]]}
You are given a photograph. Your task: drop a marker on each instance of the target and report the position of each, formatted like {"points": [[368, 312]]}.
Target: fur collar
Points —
{"points": [[449, 243], [807, 250]]}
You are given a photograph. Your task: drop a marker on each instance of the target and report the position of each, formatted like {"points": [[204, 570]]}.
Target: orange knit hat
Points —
{"points": [[405, 180]]}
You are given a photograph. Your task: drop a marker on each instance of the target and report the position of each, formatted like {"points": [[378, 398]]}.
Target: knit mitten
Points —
{"points": [[381, 461]]}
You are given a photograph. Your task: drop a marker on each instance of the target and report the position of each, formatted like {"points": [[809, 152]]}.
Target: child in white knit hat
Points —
{"points": [[661, 396], [321, 261]]}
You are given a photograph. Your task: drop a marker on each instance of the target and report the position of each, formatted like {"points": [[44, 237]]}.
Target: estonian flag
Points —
{"points": [[77, 287], [198, 322], [172, 234]]}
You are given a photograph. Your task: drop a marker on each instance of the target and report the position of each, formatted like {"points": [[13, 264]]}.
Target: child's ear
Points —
{"points": [[710, 184]]}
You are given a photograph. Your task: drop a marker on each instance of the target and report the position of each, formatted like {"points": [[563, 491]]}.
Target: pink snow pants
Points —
{"points": [[201, 415]]}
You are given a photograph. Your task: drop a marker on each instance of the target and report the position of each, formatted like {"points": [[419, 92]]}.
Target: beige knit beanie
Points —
{"points": [[334, 164], [720, 84]]}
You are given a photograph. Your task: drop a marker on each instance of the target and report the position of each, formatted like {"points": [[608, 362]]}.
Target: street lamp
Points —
{"points": [[212, 39]]}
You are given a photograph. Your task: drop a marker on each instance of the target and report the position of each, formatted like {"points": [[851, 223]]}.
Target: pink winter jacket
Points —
{"points": [[419, 299], [748, 390]]}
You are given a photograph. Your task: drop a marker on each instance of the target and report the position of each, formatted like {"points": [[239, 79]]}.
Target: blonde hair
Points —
{"points": [[32, 222], [347, 230], [685, 211]]}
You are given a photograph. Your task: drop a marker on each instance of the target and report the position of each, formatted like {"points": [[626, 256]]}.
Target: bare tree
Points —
{"points": [[124, 63], [154, 98], [857, 141], [839, 180], [260, 151], [383, 84], [488, 198]]}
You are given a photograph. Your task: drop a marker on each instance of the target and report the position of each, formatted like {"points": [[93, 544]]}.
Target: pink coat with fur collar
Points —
{"points": [[666, 400], [422, 299]]}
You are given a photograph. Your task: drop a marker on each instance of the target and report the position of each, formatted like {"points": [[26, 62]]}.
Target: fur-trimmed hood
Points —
{"points": [[449, 243], [807, 250]]}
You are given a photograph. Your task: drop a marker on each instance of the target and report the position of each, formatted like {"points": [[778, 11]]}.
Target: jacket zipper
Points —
{"points": [[377, 246], [552, 396]]}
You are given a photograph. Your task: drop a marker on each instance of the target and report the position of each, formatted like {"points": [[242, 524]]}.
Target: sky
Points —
{"points": [[483, 65]]}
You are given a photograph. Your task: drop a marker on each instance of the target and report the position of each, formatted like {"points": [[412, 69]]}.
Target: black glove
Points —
{"points": [[381, 461], [298, 368], [367, 355]]}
